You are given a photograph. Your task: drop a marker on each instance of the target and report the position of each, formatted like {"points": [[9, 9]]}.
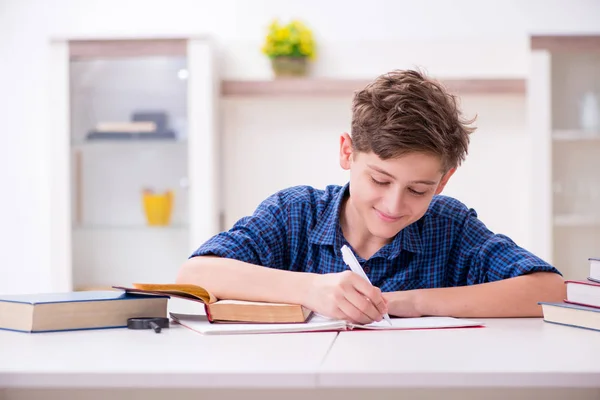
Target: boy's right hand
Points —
{"points": [[347, 296]]}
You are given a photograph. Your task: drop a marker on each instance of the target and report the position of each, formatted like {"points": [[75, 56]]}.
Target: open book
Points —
{"points": [[316, 323], [227, 310]]}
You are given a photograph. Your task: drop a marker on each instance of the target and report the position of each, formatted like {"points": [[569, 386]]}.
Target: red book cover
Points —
{"points": [[584, 293]]}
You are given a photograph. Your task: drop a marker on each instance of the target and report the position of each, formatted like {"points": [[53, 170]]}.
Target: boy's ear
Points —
{"points": [[444, 181], [345, 151]]}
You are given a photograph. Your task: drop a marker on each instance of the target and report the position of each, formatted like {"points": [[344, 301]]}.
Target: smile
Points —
{"points": [[385, 217]]}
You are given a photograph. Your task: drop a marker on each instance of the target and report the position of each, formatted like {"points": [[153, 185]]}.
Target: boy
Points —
{"points": [[425, 254]]}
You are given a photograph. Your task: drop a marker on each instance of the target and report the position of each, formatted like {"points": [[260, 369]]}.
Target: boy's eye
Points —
{"points": [[415, 192], [375, 181]]}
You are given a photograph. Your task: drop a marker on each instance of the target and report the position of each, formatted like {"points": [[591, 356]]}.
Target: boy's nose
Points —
{"points": [[395, 205]]}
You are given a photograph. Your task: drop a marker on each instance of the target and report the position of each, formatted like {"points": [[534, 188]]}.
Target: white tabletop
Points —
{"points": [[505, 353], [176, 357], [510, 353]]}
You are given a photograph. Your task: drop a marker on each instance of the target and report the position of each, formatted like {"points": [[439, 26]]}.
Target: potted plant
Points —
{"points": [[289, 47]]}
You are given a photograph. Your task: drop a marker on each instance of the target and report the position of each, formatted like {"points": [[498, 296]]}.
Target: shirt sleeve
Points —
{"points": [[487, 257], [258, 239]]}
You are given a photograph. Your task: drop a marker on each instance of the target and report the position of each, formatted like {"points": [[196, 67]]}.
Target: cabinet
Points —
{"points": [[133, 123], [564, 111]]}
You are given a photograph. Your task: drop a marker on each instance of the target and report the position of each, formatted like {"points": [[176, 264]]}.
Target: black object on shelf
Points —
{"points": [[130, 135]]}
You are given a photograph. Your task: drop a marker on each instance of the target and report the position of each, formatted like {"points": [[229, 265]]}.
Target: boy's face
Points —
{"points": [[388, 195]]}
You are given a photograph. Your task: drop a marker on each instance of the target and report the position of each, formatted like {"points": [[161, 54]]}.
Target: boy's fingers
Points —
{"points": [[382, 306], [363, 304], [353, 314], [372, 293]]}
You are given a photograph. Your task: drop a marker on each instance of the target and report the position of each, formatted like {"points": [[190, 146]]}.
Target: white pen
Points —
{"points": [[352, 262]]}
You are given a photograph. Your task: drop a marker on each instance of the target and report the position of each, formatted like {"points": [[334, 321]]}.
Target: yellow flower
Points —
{"points": [[274, 26], [294, 39], [282, 34], [305, 50]]}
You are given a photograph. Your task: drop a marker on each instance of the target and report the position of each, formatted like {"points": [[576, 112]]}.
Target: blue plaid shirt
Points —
{"points": [[298, 229]]}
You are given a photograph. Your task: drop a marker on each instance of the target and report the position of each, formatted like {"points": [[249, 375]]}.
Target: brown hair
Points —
{"points": [[405, 112]]}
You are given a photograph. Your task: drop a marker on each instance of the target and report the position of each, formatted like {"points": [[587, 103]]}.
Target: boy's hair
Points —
{"points": [[405, 112]]}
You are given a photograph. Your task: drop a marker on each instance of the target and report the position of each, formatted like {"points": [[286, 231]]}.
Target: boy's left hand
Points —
{"points": [[402, 304]]}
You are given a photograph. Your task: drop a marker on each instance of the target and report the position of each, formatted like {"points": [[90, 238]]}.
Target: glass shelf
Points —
{"points": [[132, 228], [575, 162], [108, 147], [127, 142], [577, 220], [565, 135], [128, 121]]}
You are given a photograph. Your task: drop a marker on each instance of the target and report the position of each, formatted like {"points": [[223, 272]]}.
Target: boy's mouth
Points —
{"points": [[386, 217]]}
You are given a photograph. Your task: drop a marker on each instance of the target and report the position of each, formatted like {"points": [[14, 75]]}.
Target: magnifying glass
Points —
{"points": [[155, 323]]}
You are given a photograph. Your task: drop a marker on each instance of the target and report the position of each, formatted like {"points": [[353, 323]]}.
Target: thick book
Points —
{"points": [[572, 315], [594, 269], [77, 310], [227, 310], [318, 323], [585, 293]]}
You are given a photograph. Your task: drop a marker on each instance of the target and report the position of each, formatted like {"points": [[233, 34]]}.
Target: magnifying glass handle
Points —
{"points": [[155, 326]]}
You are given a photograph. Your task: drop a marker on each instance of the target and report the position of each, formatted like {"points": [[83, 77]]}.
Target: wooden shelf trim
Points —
{"points": [[565, 43], [346, 87], [576, 220], [81, 49], [566, 135]]}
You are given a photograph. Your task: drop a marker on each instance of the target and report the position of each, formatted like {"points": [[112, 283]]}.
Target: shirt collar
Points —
{"points": [[327, 231], [411, 237], [408, 239]]}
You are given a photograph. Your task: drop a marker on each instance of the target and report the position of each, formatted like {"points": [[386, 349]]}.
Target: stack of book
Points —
{"points": [[581, 308], [49, 312]]}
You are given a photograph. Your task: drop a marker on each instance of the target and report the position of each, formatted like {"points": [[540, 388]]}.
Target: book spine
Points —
{"points": [[581, 304], [208, 314], [571, 325]]}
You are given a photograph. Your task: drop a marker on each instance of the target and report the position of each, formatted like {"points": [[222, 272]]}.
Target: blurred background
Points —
{"points": [[134, 130]]}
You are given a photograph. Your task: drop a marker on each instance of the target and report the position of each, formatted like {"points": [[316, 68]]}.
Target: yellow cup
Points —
{"points": [[158, 207]]}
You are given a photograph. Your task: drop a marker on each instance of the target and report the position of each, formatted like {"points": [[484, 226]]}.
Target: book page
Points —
{"points": [[408, 323], [420, 323], [255, 303], [200, 324], [181, 290]]}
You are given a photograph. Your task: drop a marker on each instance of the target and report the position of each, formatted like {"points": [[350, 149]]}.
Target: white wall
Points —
{"points": [[308, 149], [448, 38]]}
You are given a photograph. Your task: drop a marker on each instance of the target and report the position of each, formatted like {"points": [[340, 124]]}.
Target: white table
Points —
{"points": [[518, 358], [175, 358], [506, 353]]}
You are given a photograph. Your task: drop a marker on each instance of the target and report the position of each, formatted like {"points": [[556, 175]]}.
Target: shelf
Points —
{"points": [[575, 220], [571, 135], [346, 87], [93, 49], [129, 145], [129, 228], [127, 142], [566, 43]]}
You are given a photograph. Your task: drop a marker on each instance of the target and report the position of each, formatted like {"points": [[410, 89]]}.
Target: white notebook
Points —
{"points": [[200, 324]]}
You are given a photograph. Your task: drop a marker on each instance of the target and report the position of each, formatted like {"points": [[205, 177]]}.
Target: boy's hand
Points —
{"points": [[347, 296]]}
